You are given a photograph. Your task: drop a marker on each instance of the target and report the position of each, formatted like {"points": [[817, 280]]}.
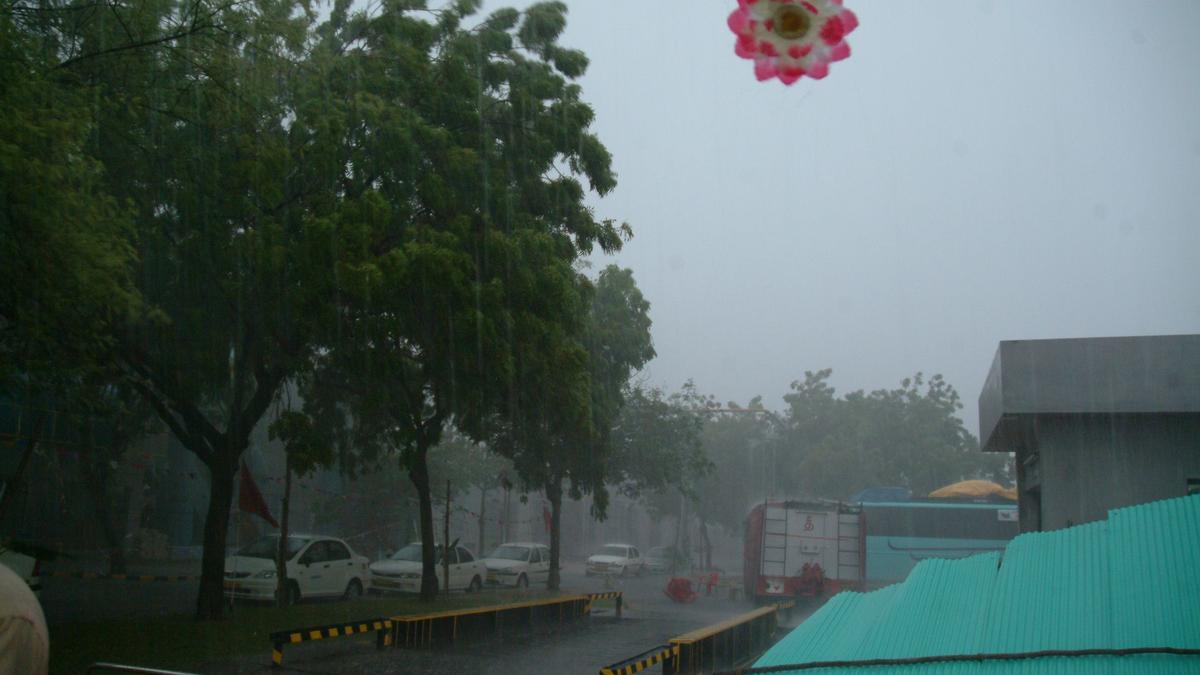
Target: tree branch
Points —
{"points": [[195, 28], [190, 416], [177, 427]]}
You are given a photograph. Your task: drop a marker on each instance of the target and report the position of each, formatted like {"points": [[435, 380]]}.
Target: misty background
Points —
{"points": [[975, 172]]}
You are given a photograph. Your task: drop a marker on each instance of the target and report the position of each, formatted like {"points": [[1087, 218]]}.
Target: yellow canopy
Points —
{"points": [[975, 488]]}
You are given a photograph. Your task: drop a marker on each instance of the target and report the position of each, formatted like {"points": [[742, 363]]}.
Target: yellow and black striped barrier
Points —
{"points": [[610, 595], [381, 627], [96, 576], [663, 654]]}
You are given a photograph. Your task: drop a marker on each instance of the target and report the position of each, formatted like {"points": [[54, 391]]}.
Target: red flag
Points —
{"points": [[251, 500], [546, 518]]}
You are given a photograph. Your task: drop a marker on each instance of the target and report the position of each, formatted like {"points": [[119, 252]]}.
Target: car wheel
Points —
{"points": [[353, 590], [522, 581], [476, 585]]}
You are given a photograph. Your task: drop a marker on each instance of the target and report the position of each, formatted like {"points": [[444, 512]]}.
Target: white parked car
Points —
{"points": [[316, 567], [401, 571], [518, 565], [616, 559]]}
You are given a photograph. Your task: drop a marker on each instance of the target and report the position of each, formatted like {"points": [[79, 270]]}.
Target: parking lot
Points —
{"points": [[649, 618]]}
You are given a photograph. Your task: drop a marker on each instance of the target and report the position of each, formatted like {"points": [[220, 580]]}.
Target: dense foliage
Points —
{"points": [[389, 198], [827, 446]]}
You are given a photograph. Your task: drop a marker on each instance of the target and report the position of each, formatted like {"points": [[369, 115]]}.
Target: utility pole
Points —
{"points": [[678, 533], [446, 543], [482, 522]]}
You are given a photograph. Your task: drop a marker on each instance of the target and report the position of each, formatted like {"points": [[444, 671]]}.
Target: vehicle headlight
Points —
{"points": [[265, 574], [411, 575]]}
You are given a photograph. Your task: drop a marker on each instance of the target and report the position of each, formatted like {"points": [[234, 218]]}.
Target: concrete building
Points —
{"points": [[1096, 423]]}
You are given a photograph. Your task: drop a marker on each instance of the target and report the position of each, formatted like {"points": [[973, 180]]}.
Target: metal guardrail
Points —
{"points": [[729, 643], [135, 670], [420, 630], [380, 626], [725, 644]]}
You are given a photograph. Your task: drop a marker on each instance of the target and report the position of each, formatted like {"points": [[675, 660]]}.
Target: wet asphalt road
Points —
{"points": [[649, 619]]}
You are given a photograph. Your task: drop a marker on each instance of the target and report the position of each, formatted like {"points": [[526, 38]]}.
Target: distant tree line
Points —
{"points": [[821, 445]]}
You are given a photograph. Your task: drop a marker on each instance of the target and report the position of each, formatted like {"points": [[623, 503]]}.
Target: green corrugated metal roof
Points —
{"points": [[1130, 581]]}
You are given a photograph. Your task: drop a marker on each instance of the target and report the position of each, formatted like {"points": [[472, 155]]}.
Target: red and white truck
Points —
{"points": [[803, 549]]}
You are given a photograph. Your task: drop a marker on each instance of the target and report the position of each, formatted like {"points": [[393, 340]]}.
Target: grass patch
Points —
{"points": [[182, 643]]}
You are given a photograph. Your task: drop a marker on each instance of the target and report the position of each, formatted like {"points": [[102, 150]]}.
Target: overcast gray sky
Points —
{"points": [[977, 171]]}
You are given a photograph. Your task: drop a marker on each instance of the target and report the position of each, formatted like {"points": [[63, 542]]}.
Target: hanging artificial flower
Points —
{"points": [[789, 39]]}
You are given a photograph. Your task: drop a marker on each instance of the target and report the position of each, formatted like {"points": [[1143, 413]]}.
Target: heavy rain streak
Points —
{"points": [[474, 336]]}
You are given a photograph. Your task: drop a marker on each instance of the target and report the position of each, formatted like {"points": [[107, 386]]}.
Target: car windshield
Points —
{"points": [[267, 547], [510, 553], [618, 551]]}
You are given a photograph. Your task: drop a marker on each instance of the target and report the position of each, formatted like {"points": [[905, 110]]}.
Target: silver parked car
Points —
{"points": [[616, 559], [401, 571], [518, 564]]}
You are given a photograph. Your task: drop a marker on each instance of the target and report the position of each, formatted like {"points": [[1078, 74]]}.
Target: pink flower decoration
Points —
{"points": [[789, 39]]}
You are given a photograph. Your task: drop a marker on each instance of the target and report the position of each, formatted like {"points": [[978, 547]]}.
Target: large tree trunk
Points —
{"points": [[210, 602], [281, 580], [554, 494], [418, 473], [219, 451]]}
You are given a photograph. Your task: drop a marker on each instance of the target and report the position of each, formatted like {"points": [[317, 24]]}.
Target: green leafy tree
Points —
{"points": [[658, 455], [387, 193], [112, 418], [308, 445], [569, 394], [191, 107], [65, 242], [462, 216], [656, 441], [469, 465], [739, 444]]}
